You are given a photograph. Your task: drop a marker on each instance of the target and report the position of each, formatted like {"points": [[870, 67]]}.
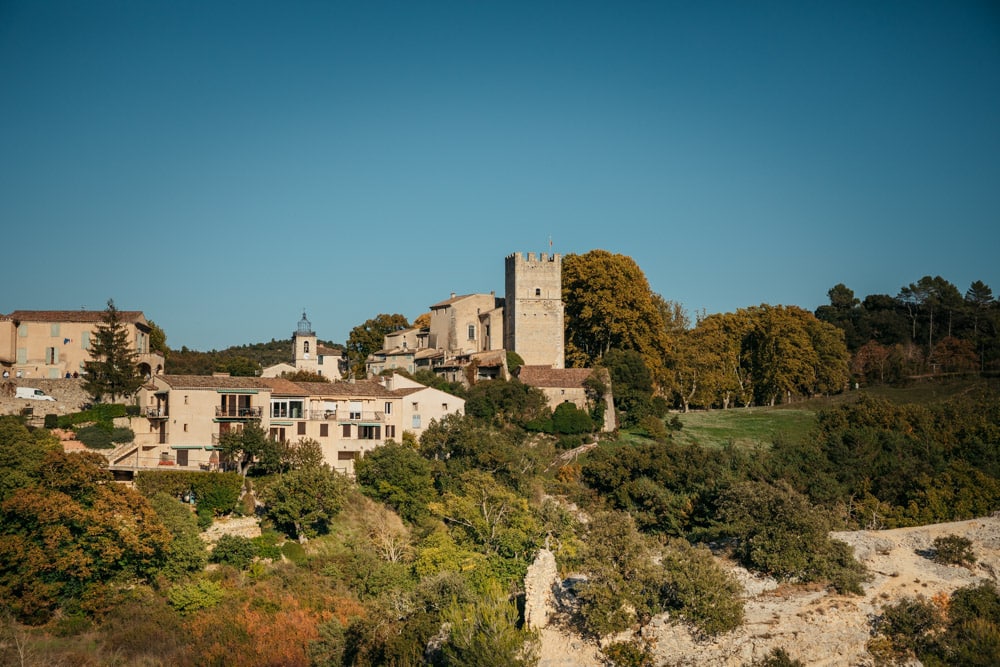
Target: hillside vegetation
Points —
{"points": [[443, 530]]}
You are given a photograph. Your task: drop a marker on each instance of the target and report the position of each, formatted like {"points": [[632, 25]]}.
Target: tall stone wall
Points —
{"points": [[68, 392], [533, 309]]}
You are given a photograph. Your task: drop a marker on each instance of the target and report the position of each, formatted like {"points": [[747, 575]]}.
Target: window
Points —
{"points": [[444, 406], [286, 409], [370, 432], [185, 399], [182, 457], [355, 410], [472, 332], [390, 431], [346, 431], [324, 430], [85, 340], [538, 291], [277, 434], [51, 355], [54, 330], [346, 456], [185, 428], [301, 428], [416, 421], [388, 408], [305, 347], [22, 331]]}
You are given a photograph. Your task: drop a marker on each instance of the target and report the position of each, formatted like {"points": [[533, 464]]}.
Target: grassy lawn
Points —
{"points": [[759, 426], [744, 427]]}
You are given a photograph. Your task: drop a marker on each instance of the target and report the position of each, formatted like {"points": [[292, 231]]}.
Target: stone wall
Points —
{"points": [[69, 395]]}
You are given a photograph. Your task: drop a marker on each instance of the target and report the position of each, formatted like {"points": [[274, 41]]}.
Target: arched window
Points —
{"points": [[305, 347]]}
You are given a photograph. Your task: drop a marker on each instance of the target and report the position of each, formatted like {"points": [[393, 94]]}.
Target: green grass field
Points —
{"points": [[752, 427], [756, 427]]}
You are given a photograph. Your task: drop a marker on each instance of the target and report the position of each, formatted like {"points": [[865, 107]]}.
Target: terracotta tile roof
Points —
{"points": [[72, 316], [546, 376], [214, 382], [359, 389], [284, 387], [490, 358]]}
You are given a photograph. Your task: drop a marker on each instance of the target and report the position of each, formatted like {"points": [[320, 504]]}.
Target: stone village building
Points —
{"points": [[52, 344], [184, 416]]}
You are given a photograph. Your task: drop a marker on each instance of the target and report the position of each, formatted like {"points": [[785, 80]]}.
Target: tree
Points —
{"points": [[306, 500], [157, 338], [71, 533], [369, 336], [609, 305], [187, 553], [250, 445], [698, 590], [112, 370], [398, 476]]}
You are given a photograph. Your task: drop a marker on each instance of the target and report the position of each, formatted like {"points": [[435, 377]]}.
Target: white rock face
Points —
{"points": [[539, 599]]}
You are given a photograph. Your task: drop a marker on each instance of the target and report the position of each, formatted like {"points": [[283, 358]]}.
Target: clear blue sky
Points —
{"points": [[223, 165]]}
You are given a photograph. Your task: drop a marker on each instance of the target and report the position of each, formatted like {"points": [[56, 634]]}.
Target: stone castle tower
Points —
{"points": [[533, 309], [304, 343]]}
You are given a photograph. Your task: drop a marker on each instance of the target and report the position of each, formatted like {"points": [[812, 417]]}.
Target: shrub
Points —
{"points": [[94, 437], [200, 594], [699, 589], [234, 550], [953, 550], [51, 421], [905, 630], [121, 435], [632, 653]]}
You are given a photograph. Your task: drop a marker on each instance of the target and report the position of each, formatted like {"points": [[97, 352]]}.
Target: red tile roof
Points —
{"points": [[72, 316], [546, 376]]}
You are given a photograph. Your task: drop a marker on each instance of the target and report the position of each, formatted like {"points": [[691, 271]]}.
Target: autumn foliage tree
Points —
{"points": [[609, 305], [70, 532]]}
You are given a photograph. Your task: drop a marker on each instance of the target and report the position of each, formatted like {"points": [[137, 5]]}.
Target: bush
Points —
{"points": [[953, 550], [234, 550], [294, 552], [51, 421], [200, 594], [699, 590], [121, 435], [633, 653], [132, 411], [95, 437]]}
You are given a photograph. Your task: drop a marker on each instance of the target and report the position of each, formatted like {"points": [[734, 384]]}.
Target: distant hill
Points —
{"points": [[238, 360]]}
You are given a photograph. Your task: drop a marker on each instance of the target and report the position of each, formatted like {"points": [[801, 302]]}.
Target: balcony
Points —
{"points": [[346, 416], [155, 413], [238, 412]]}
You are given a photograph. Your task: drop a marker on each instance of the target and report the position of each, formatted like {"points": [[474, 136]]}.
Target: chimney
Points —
{"points": [[452, 295]]}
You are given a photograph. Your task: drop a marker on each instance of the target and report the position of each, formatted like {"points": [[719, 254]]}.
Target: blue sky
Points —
{"points": [[223, 165]]}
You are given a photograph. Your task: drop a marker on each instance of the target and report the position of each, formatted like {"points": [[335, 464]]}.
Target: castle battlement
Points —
{"points": [[532, 258]]}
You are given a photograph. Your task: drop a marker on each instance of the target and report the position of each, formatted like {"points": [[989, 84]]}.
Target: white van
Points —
{"points": [[33, 394]]}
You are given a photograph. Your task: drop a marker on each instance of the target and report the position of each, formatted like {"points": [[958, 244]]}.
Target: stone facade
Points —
{"points": [[53, 344], [533, 309]]}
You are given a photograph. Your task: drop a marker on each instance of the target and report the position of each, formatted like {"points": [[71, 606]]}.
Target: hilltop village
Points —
{"points": [[182, 418]]}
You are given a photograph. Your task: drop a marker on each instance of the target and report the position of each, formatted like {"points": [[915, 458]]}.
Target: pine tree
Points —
{"points": [[112, 370]]}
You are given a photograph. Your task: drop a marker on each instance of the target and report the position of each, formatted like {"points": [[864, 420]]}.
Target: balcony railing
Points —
{"points": [[346, 416], [239, 413], [156, 413]]}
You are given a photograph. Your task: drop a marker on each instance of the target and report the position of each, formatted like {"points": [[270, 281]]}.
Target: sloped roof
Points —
{"points": [[490, 358], [546, 376], [285, 387], [214, 382], [359, 388], [72, 316]]}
